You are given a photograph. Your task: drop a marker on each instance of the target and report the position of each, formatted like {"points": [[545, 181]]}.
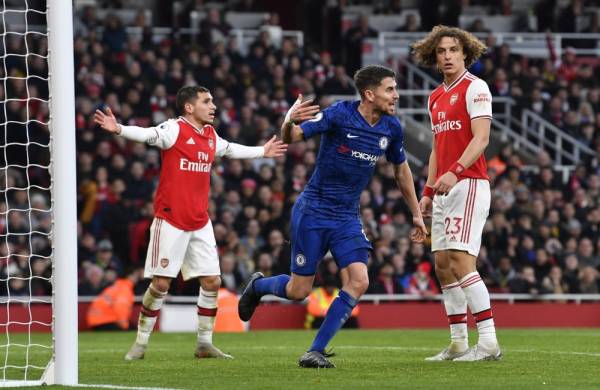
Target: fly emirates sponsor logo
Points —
{"points": [[445, 125], [196, 166]]}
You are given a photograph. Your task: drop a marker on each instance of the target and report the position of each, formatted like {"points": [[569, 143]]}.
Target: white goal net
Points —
{"points": [[27, 197]]}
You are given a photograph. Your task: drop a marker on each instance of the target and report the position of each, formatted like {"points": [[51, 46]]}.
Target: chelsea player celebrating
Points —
{"points": [[354, 135]]}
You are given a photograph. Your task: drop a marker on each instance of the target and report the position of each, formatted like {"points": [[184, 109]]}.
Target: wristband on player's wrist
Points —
{"points": [[428, 191], [456, 168]]}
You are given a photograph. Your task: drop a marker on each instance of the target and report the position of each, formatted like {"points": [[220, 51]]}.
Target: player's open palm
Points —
{"points": [[275, 148], [303, 110], [420, 232], [107, 121]]}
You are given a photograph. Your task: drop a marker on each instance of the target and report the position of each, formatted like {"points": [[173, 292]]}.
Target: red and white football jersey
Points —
{"points": [[187, 154], [451, 109]]}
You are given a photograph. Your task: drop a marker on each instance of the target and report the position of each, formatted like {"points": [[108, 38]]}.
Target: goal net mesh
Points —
{"points": [[26, 217]]}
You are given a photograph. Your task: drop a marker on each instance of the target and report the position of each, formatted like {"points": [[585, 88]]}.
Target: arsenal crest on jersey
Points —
{"points": [[164, 263], [211, 143], [453, 99]]}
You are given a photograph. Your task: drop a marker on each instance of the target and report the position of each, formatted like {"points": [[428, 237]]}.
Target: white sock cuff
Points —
{"points": [[455, 301], [450, 286], [207, 299], [150, 302], [156, 292], [469, 279]]}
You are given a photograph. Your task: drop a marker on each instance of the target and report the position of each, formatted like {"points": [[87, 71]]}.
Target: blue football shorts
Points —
{"points": [[313, 235]]}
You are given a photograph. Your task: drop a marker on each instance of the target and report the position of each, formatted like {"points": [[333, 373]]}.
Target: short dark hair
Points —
{"points": [[370, 77], [188, 95]]}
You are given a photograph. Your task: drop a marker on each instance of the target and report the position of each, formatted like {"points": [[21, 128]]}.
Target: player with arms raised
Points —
{"points": [[181, 235], [457, 193], [326, 216]]}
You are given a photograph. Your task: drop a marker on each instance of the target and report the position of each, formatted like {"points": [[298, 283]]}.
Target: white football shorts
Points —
{"points": [[459, 217], [171, 250]]}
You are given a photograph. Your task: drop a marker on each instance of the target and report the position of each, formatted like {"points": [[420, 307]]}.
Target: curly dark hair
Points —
{"points": [[424, 50]]}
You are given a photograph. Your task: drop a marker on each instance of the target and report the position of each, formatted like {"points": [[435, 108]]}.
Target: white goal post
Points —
{"points": [[64, 198], [28, 358]]}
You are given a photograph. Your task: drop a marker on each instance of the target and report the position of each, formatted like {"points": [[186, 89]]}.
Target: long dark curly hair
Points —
{"points": [[425, 49]]}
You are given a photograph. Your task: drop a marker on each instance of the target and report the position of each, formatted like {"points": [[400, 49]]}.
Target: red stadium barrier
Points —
{"points": [[432, 315], [372, 316]]}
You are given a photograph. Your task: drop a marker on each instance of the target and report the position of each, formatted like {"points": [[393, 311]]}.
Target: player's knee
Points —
{"points": [[443, 273], [442, 262], [358, 286], [461, 264], [298, 293], [210, 283], [161, 285]]}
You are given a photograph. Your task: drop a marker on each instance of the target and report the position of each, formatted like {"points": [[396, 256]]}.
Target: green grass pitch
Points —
{"points": [[390, 359]]}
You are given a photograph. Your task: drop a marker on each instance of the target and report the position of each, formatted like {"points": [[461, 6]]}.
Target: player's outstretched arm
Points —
{"points": [[275, 147], [272, 148], [298, 113], [107, 121], [404, 180], [162, 136]]}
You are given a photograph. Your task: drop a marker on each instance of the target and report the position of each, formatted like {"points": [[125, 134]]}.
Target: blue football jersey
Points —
{"points": [[350, 148]]}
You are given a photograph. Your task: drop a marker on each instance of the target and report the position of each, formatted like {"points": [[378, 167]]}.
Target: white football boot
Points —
{"points": [[206, 350], [478, 353], [136, 352], [448, 353]]}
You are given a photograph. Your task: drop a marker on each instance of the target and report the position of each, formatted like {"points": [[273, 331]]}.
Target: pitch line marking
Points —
{"points": [[381, 348], [393, 348], [123, 387]]}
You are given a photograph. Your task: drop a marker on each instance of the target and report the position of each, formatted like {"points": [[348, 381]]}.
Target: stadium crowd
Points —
{"points": [[542, 236]]}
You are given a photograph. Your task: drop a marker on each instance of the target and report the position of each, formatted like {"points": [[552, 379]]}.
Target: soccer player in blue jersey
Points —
{"points": [[326, 216]]}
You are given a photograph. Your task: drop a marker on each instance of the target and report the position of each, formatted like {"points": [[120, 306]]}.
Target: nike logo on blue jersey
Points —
{"points": [[352, 136]]}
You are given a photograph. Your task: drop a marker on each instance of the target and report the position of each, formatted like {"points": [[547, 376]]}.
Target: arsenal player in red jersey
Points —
{"points": [[181, 235], [457, 193]]}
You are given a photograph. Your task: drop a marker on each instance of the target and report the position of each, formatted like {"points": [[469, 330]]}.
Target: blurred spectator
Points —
{"points": [[588, 281], [526, 283], [421, 283], [106, 259], [503, 275], [111, 310], [567, 21], [230, 276], [411, 24], [93, 280], [386, 281], [554, 282], [354, 43], [213, 29]]}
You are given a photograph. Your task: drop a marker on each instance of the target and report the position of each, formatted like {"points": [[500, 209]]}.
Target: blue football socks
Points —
{"points": [[274, 285], [338, 313]]}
